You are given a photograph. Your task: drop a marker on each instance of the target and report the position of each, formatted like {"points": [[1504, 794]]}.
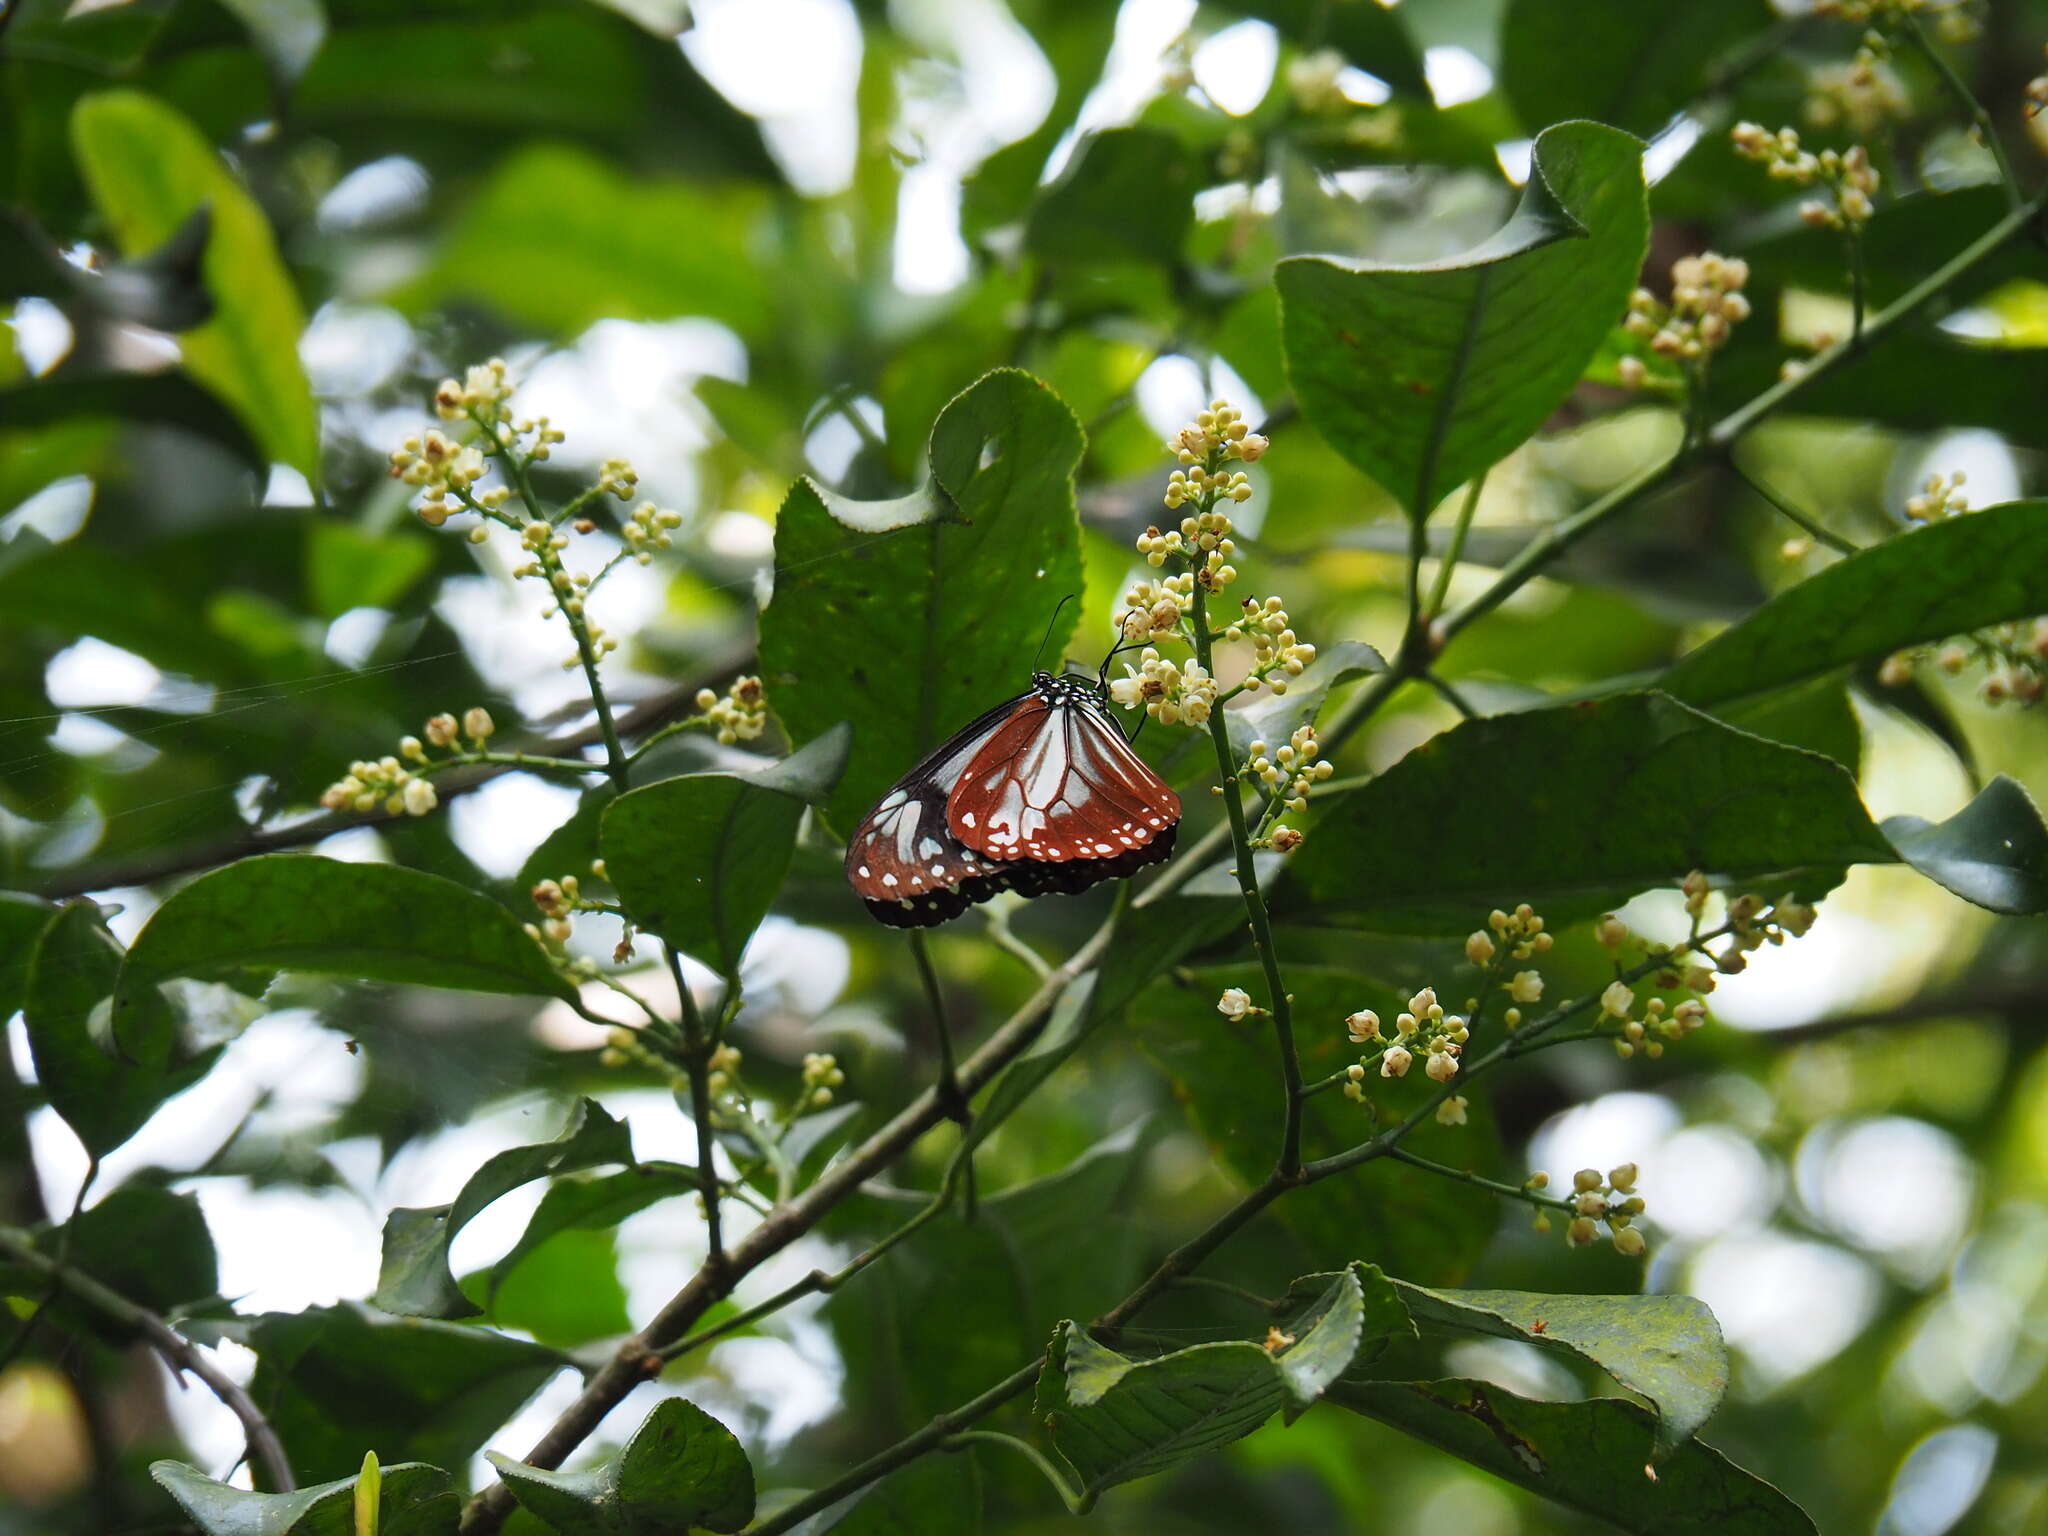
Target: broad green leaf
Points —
{"points": [[414, 1279], [1587, 1456], [347, 567], [1075, 37], [1149, 940], [414, 1500], [566, 1292], [1113, 1419], [1126, 195], [371, 922], [141, 1241], [149, 168], [103, 1096], [682, 1470], [544, 243], [22, 920], [1225, 1075], [1384, 1315], [1060, 1246], [1616, 61], [1611, 797], [593, 1204], [1666, 1348], [1815, 714], [1993, 852], [909, 618], [698, 859], [1960, 574], [1423, 376], [336, 1379], [170, 399], [1273, 718]]}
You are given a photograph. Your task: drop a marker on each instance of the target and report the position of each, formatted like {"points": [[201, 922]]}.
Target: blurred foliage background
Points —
{"points": [[753, 239]]}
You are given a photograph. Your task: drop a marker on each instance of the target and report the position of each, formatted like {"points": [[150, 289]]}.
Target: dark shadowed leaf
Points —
{"points": [[370, 922], [1423, 376], [1612, 796], [933, 1493], [142, 1242], [909, 618], [169, 399], [1993, 852], [682, 1470], [1587, 1456], [1667, 1348], [1126, 195], [150, 169], [698, 859], [22, 920], [414, 1500], [415, 1281], [1370, 35], [336, 1379], [1925, 585], [1631, 65], [102, 1095], [1114, 1419]]}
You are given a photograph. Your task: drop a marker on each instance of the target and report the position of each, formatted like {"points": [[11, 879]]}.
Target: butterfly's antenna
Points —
{"points": [[1048, 630], [1122, 645]]}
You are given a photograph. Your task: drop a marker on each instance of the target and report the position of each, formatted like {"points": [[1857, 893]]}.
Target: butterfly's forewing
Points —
{"points": [[903, 860], [1055, 782]]}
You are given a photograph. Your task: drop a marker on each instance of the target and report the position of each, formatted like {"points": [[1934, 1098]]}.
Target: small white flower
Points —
{"points": [[1617, 1000], [1396, 1061], [1234, 1004], [1526, 987], [419, 797]]}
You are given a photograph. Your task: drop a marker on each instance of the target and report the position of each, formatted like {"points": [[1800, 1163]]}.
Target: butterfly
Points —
{"points": [[1040, 794]]}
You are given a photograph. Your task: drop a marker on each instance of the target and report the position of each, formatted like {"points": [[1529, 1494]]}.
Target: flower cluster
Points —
{"points": [[2015, 658], [739, 714], [1507, 938], [1849, 177], [821, 1074], [1217, 434], [1706, 303], [623, 1047], [1277, 654], [559, 901], [1170, 693], [438, 468], [1595, 1198], [1422, 1028], [1151, 609], [399, 784], [1312, 81], [615, 477], [1291, 769], [483, 395], [1862, 95], [648, 529], [1941, 496], [724, 1065]]}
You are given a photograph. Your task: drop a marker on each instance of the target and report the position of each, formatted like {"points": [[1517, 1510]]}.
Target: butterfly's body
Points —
{"points": [[1040, 794]]}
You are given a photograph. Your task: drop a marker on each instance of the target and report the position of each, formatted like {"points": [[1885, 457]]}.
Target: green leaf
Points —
{"points": [[1126, 195], [1114, 1419], [288, 33], [22, 921], [149, 169], [1223, 1074], [1616, 61], [1423, 376], [169, 399], [414, 1279], [933, 1493], [567, 1291], [1611, 797], [1666, 1348], [911, 617], [1993, 852], [682, 1469], [698, 859], [1587, 1456], [415, 1500], [336, 1379], [593, 1204], [102, 1096], [348, 567], [141, 1241], [543, 243], [371, 922], [1369, 34], [1960, 574]]}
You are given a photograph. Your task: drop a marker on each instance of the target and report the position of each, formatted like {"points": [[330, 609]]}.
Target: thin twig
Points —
{"points": [[1967, 100], [178, 1352], [949, 1080], [1790, 513]]}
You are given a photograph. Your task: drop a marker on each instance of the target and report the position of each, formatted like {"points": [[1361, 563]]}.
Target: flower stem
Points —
{"points": [[1254, 902], [1441, 587], [1510, 1191]]}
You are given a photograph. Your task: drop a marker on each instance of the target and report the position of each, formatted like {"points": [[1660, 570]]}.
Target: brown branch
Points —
{"points": [[638, 1356], [178, 1352]]}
